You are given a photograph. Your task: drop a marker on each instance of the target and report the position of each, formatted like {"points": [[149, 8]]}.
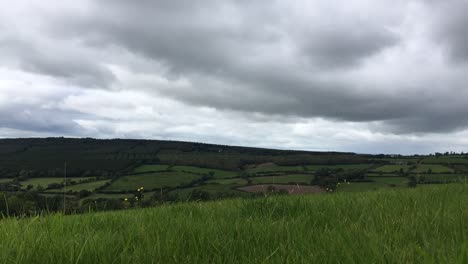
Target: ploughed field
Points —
{"points": [[422, 225]]}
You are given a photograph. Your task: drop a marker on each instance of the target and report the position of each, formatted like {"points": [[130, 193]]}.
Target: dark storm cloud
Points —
{"points": [[271, 57], [237, 43]]}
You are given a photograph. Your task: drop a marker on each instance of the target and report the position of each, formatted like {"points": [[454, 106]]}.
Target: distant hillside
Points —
{"points": [[46, 156]]}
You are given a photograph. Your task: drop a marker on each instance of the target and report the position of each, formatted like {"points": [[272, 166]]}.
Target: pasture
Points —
{"points": [[151, 181], [432, 168], [89, 186], [44, 182], [392, 168], [293, 178]]}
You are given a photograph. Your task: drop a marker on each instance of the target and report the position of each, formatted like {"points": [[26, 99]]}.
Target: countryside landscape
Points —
{"points": [[227, 131], [115, 174], [166, 201]]}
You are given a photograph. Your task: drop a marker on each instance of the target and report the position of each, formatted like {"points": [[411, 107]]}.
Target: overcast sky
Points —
{"points": [[368, 76]]}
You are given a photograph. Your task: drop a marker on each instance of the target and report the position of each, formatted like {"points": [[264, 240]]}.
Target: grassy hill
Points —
{"points": [[423, 225]]}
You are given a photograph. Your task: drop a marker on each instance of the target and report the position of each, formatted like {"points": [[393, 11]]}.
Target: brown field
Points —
{"points": [[291, 189]]}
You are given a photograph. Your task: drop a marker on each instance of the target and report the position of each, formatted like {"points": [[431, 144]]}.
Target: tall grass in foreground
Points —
{"points": [[424, 225]]}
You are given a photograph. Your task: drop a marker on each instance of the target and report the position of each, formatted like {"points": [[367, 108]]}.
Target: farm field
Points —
{"points": [[434, 168], [239, 181], [442, 178], [265, 168], [89, 186], [427, 225], [6, 180], [218, 174], [151, 168], [397, 181], [293, 178], [446, 160], [151, 181], [224, 189], [35, 182], [343, 167], [392, 168]]}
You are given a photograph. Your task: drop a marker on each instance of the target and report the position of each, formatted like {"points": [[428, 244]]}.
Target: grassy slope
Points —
{"points": [[399, 226]]}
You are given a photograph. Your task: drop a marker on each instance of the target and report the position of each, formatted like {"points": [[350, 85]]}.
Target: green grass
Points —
{"points": [[392, 168], [343, 167], [46, 181], [151, 168], [218, 174], [90, 186], [94, 196], [151, 181], [422, 225], [436, 168], [294, 178], [361, 186]]}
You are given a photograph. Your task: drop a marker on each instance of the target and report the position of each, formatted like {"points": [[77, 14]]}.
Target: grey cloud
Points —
{"points": [[346, 47], [451, 26], [38, 119], [258, 57], [57, 58]]}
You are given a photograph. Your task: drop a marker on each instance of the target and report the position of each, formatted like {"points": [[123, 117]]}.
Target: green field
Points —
{"points": [[151, 181], [275, 168], [89, 186], [294, 178], [361, 186], [445, 160], [238, 181], [398, 181], [151, 168], [435, 168], [6, 180], [376, 184], [427, 225], [392, 168], [343, 167], [218, 174], [46, 181], [226, 189], [373, 174], [443, 178]]}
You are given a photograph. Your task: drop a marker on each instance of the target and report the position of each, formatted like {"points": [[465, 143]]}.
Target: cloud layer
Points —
{"points": [[234, 71]]}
